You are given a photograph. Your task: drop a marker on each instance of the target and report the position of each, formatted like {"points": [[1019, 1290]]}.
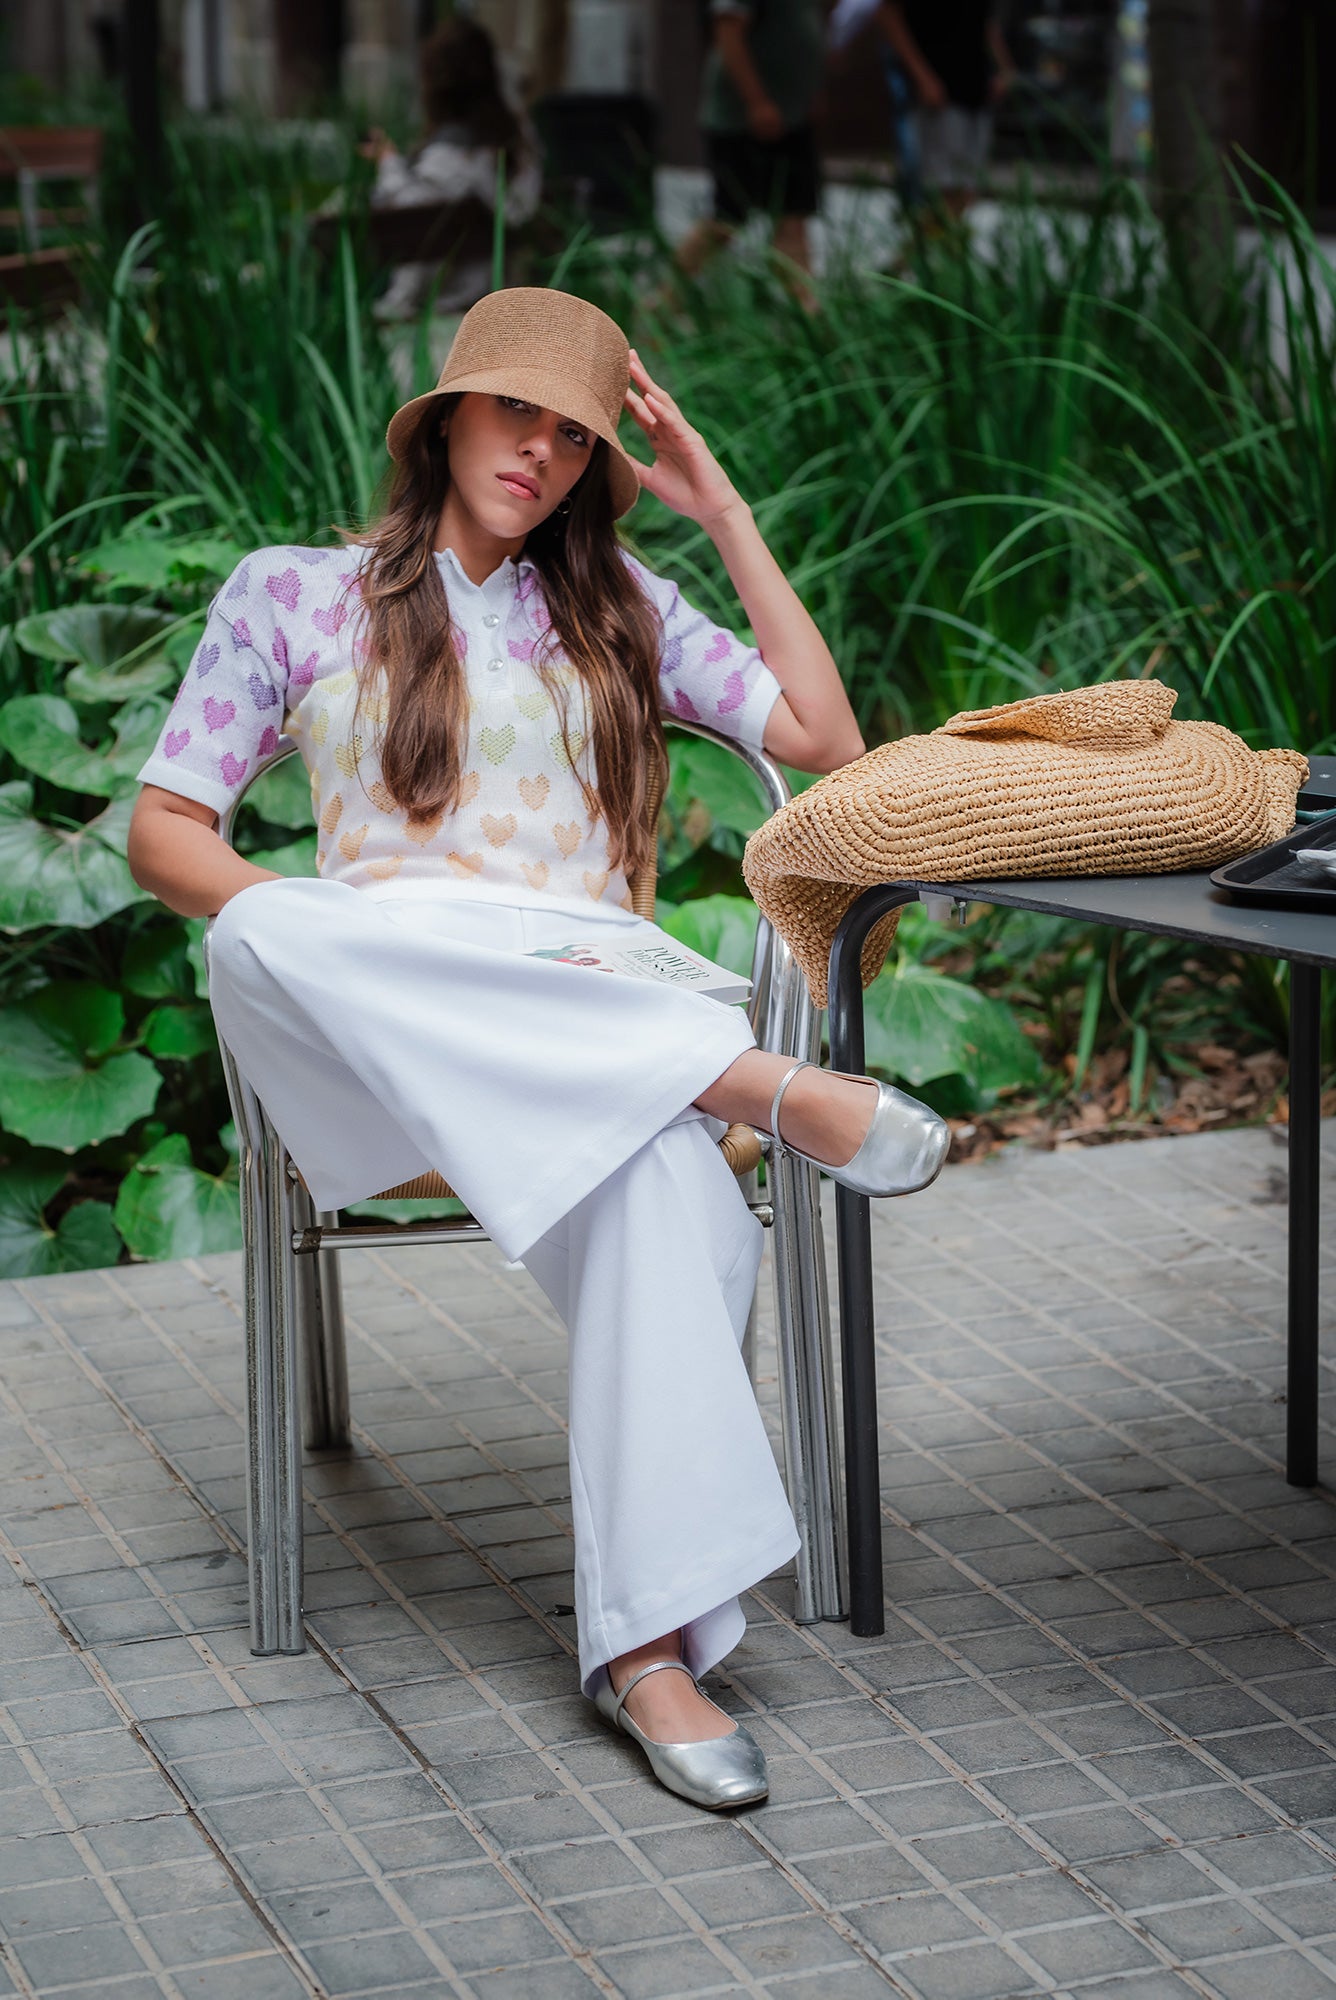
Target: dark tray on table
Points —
{"points": [[1272, 875]]}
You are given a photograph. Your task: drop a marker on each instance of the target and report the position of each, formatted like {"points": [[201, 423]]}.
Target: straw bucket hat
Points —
{"points": [[550, 348]]}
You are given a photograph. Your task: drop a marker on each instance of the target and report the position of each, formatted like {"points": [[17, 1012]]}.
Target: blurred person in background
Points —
{"points": [[468, 124], [759, 97], [959, 66], [847, 22]]}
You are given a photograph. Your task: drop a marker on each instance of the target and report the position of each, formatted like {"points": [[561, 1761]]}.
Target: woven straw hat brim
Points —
{"points": [[551, 391]]}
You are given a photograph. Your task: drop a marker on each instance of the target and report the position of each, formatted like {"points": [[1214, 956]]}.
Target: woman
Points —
{"points": [[469, 127], [477, 688]]}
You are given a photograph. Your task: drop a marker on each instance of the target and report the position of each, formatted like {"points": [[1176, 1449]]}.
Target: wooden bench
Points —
{"points": [[42, 282], [31, 154]]}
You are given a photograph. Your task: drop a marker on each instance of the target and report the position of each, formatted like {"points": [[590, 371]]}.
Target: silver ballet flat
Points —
{"points": [[726, 1771], [904, 1148]]}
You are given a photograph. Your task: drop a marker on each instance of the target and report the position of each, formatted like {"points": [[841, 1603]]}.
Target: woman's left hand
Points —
{"points": [[685, 473]]}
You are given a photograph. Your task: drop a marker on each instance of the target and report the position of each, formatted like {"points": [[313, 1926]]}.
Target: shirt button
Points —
{"points": [[495, 666], [491, 620]]}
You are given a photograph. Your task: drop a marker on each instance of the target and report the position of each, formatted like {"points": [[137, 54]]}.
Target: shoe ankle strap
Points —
{"points": [[778, 1099], [654, 1667]]}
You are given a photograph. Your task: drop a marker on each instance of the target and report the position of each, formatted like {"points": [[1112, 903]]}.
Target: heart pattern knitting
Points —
{"points": [[206, 659], [331, 620], [470, 784], [595, 884], [303, 674], [566, 755], [567, 837], [320, 726], [348, 755], [175, 741], [262, 692], [423, 831], [531, 706], [734, 694], [382, 870], [332, 814], [535, 873], [268, 742], [217, 714], [718, 649], [381, 797], [233, 769], [350, 844], [341, 683], [285, 588], [465, 864], [534, 791], [497, 744], [499, 831]]}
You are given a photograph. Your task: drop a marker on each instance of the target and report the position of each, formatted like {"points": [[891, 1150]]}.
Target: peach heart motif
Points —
{"points": [[595, 884], [382, 870], [350, 844], [465, 864], [470, 784], [534, 791], [329, 818], [535, 873], [499, 831], [420, 831], [382, 797], [567, 836], [346, 755]]}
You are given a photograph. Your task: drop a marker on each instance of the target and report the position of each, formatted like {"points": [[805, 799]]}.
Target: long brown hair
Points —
{"points": [[460, 86], [603, 625]]}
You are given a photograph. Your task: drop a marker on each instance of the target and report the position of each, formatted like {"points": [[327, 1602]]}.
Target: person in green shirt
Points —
{"points": [[763, 76]]}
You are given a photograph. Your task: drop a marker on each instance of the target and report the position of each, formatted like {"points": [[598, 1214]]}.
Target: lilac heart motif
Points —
{"points": [[672, 657], [206, 659], [311, 556], [734, 694], [285, 589], [331, 620], [233, 769], [241, 635], [175, 741], [280, 650], [718, 649], [268, 742], [240, 583], [303, 674], [349, 579], [685, 706], [262, 692], [218, 713]]}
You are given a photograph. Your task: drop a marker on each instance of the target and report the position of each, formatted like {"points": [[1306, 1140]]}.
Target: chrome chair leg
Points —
{"points": [[318, 1299], [802, 1322]]}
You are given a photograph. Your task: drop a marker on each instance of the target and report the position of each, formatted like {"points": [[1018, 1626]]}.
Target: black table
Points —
{"points": [[1185, 906]]}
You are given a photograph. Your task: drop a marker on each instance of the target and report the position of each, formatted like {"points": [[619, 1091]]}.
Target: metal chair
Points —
{"points": [[295, 1350]]}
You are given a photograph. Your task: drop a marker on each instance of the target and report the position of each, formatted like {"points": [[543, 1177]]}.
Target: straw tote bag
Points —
{"points": [[1098, 781]]}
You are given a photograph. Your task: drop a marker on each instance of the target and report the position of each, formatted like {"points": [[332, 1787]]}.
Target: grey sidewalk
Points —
{"points": [[1094, 1754]]}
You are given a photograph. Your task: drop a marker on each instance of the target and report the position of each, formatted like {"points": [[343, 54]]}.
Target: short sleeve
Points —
{"points": [[228, 711], [706, 673]]}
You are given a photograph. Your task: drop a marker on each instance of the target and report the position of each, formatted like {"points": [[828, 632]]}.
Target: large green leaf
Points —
{"points": [[62, 875], [180, 1032], [724, 786], [297, 858], [283, 795], [921, 1025], [157, 964], [153, 563], [720, 927], [166, 1207], [84, 1238], [59, 1086], [96, 635], [41, 734]]}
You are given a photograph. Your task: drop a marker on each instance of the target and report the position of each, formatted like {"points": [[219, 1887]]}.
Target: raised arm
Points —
{"points": [[731, 39]]}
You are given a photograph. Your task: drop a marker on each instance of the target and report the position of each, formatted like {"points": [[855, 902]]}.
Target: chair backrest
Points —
{"points": [[51, 152]]}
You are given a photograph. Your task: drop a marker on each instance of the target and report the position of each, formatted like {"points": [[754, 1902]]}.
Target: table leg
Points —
{"points": [[862, 1469], [1305, 1196]]}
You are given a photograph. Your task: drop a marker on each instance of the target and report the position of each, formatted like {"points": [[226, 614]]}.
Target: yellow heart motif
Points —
{"points": [[320, 726], [595, 884], [497, 744], [499, 831], [534, 791], [534, 705], [340, 683], [567, 837], [329, 818], [559, 751], [465, 864], [382, 870], [536, 873], [350, 844], [346, 756]]}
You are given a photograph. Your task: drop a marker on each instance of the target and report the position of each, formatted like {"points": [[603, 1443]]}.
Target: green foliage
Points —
{"points": [[65, 1084], [30, 1246], [167, 1208]]}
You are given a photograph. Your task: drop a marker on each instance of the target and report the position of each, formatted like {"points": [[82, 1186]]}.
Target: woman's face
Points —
{"points": [[512, 463]]}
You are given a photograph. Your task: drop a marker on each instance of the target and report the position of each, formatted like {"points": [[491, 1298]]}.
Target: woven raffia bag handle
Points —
{"points": [[1118, 715]]}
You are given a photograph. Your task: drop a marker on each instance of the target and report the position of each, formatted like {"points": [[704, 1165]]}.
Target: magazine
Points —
{"points": [[656, 956]]}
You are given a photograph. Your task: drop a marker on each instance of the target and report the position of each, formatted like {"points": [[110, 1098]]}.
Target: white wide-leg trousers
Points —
{"points": [[386, 1035]]}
